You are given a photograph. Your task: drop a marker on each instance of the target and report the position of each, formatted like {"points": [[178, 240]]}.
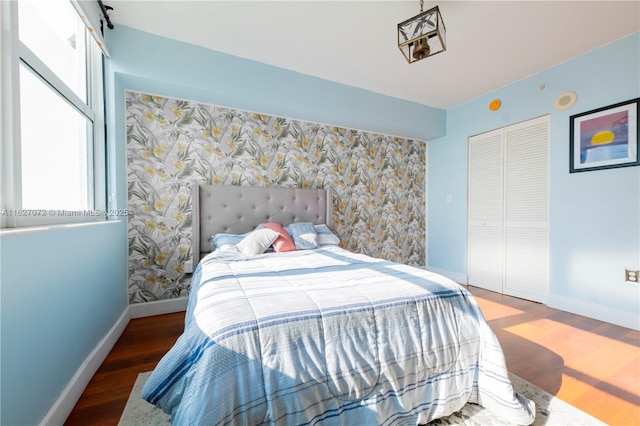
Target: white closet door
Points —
{"points": [[508, 248], [485, 251], [526, 241]]}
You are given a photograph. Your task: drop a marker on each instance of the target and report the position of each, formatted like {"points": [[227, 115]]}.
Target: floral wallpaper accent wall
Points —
{"points": [[378, 181]]}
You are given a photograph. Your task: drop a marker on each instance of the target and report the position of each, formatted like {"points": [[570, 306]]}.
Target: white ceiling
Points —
{"points": [[489, 43]]}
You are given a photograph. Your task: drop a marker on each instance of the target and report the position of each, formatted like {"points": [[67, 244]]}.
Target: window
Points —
{"points": [[53, 155]]}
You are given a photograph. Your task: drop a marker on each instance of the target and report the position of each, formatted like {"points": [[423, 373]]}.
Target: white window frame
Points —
{"points": [[14, 52]]}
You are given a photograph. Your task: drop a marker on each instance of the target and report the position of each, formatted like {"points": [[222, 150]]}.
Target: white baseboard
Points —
{"points": [[61, 409], [595, 311], [455, 276], [63, 406], [160, 307]]}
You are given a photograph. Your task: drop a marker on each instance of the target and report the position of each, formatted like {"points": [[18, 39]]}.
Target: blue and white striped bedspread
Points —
{"points": [[329, 337]]}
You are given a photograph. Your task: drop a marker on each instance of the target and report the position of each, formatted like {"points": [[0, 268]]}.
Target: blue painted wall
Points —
{"points": [[145, 62], [62, 291], [594, 216]]}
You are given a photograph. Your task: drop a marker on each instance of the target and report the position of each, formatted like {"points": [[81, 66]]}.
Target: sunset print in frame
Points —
{"points": [[605, 138]]}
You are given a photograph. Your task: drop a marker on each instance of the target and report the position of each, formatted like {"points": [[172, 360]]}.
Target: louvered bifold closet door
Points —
{"points": [[485, 251], [526, 213]]}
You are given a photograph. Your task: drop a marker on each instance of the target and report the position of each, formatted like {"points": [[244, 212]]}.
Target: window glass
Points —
{"points": [[53, 128], [54, 145], [54, 32]]}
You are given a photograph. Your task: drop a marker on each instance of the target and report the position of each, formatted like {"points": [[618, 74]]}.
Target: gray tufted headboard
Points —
{"points": [[239, 209]]}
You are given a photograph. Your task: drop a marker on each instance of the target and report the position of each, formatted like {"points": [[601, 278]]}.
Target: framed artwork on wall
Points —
{"points": [[605, 138]]}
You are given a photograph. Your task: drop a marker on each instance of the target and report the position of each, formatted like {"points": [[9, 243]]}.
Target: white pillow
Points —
{"points": [[257, 242]]}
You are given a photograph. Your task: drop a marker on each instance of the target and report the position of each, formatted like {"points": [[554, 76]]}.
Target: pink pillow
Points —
{"points": [[284, 242]]}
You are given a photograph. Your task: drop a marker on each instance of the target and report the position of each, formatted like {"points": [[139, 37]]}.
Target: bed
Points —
{"points": [[320, 335]]}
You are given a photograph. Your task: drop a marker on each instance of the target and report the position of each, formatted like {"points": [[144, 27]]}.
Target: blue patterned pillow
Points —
{"points": [[325, 236], [304, 235], [222, 239]]}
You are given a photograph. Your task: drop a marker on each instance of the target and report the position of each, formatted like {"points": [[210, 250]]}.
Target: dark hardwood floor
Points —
{"points": [[139, 348], [592, 365]]}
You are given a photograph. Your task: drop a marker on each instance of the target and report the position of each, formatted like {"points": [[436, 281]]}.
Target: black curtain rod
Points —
{"points": [[105, 10]]}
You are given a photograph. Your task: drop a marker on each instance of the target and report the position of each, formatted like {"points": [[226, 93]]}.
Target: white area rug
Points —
{"points": [[549, 410]]}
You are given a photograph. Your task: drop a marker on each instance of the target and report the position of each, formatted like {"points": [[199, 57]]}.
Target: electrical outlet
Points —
{"points": [[188, 267], [630, 276]]}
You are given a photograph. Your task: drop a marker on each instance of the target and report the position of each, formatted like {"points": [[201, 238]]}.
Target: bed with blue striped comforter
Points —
{"points": [[329, 337]]}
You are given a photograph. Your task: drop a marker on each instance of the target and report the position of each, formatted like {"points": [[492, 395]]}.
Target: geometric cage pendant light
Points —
{"points": [[423, 35]]}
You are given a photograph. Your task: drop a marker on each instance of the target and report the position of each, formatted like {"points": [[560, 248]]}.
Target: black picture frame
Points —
{"points": [[605, 138]]}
